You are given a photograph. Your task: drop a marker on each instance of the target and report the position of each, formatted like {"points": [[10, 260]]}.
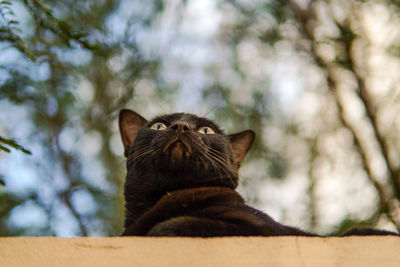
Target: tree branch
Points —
{"points": [[303, 16], [370, 109]]}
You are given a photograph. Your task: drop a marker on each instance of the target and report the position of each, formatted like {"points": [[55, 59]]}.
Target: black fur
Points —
{"points": [[181, 182]]}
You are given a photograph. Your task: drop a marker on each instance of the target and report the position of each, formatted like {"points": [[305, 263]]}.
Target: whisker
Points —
{"points": [[227, 168], [139, 154], [213, 162], [222, 159], [211, 110], [136, 155], [136, 152], [140, 149], [219, 155], [203, 161], [222, 162]]}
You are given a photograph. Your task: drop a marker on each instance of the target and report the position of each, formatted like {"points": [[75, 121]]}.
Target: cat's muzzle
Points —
{"points": [[178, 149]]}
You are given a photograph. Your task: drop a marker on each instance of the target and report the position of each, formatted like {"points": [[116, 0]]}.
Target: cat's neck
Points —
{"points": [[139, 201]]}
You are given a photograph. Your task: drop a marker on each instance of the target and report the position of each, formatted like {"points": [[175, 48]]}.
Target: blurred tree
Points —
{"points": [[316, 80], [64, 78], [346, 117]]}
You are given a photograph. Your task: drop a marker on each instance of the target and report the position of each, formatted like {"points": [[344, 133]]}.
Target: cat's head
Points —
{"points": [[180, 150]]}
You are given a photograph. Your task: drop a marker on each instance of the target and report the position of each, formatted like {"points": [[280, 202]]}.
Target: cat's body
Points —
{"points": [[181, 180], [206, 212]]}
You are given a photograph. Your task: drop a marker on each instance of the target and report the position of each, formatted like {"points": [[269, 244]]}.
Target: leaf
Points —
{"points": [[5, 149], [13, 144], [9, 12], [13, 22]]}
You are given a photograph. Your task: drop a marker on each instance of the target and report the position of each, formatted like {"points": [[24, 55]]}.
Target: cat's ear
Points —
{"points": [[241, 143], [129, 125]]}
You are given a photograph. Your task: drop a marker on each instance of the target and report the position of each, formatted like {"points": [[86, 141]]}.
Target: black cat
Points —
{"points": [[181, 180]]}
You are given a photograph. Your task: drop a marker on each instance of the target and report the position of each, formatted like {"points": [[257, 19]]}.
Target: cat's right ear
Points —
{"points": [[129, 125]]}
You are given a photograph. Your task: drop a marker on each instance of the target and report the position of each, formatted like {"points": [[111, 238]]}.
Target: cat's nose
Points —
{"points": [[181, 126]]}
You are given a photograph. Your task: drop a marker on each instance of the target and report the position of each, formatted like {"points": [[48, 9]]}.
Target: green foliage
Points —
{"points": [[11, 143], [54, 107], [76, 63], [7, 203], [44, 16], [10, 30]]}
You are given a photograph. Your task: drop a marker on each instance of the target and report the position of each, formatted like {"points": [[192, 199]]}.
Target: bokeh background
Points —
{"points": [[317, 80]]}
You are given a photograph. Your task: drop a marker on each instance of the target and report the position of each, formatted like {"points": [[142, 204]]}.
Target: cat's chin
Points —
{"points": [[177, 153]]}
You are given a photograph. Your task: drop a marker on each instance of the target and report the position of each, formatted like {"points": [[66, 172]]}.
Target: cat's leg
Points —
{"points": [[368, 231], [202, 227], [290, 230]]}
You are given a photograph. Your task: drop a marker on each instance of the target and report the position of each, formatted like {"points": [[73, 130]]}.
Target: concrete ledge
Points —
{"points": [[229, 251]]}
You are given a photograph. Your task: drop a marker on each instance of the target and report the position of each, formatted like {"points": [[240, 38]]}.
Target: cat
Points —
{"points": [[182, 171]]}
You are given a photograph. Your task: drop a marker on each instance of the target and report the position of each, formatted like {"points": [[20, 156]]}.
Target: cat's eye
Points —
{"points": [[206, 130], [158, 126]]}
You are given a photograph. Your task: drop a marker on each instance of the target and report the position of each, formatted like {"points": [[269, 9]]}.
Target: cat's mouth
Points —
{"points": [[178, 149]]}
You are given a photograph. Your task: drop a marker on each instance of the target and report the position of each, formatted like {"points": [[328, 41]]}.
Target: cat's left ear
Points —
{"points": [[129, 125], [241, 143]]}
